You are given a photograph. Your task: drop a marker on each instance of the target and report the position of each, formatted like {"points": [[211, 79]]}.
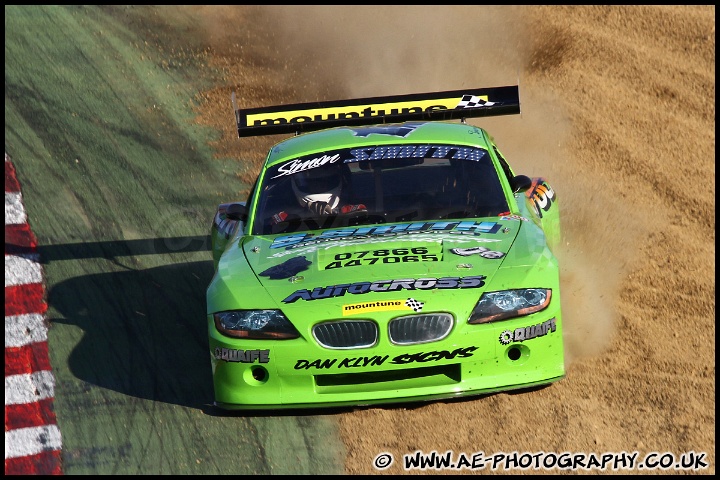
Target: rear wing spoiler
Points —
{"points": [[307, 117]]}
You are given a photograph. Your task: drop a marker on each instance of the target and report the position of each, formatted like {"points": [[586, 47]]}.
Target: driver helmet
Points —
{"points": [[320, 184]]}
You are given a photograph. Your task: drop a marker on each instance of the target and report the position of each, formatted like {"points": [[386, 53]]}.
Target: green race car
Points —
{"points": [[387, 253]]}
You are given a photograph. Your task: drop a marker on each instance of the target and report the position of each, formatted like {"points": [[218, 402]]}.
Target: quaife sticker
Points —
{"points": [[242, 356], [528, 333]]}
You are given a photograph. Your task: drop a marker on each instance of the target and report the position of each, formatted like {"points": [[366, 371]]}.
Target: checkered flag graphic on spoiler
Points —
{"points": [[471, 101]]}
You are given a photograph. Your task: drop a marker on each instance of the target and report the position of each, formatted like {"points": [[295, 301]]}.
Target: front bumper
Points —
{"points": [[474, 360]]}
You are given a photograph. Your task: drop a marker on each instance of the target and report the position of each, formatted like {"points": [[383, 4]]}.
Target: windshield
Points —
{"points": [[383, 184]]}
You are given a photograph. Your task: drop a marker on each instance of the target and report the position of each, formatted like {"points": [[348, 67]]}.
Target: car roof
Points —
{"points": [[455, 133]]}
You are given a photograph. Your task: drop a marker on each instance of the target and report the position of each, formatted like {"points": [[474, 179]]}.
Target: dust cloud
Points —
{"points": [[371, 51], [610, 95], [332, 52], [386, 50]]}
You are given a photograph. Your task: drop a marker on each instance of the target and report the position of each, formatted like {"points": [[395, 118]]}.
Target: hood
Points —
{"points": [[442, 256]]}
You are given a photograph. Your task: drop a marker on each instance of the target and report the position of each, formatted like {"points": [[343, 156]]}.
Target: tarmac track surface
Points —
{"points": [[120, 189], [120, 183]]}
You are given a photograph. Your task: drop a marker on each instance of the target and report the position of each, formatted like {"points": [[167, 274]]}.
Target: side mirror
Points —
{"points": [[520, 183], [236, 211]]}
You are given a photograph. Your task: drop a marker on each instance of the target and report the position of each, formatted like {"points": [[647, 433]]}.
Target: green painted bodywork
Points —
{"points": [[472, 359]]}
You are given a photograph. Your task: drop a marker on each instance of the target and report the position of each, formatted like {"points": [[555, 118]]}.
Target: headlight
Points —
{"points": [[258, 324], [494, 306]]}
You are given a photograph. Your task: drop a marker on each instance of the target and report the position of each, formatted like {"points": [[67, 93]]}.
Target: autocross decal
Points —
{"points": [[242, 356], [375, 360], [360, 288], [452, 227], [541, 196], [287, 269], [528, 333]]}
